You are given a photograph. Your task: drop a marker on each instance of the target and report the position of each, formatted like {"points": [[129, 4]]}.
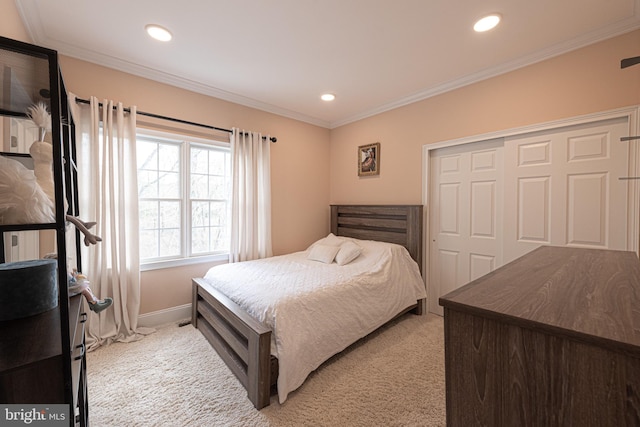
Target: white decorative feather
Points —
{"points": [[40, 116]]}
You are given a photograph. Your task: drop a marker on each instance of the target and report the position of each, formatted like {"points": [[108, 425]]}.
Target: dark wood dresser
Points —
{"points": [[31, 358], [550, 339]]}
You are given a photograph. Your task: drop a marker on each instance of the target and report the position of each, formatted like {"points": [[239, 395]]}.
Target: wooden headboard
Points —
{"points": [[400, 224]]}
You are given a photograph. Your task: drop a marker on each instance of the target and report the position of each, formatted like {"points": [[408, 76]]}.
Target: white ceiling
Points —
{"points": [[281, 55]]}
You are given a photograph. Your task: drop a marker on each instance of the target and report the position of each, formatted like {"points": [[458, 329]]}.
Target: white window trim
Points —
{"points": [[220, 258], [157, 263]]}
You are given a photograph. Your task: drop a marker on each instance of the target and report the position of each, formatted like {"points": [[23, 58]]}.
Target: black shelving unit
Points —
{"points": [[42, 357]]}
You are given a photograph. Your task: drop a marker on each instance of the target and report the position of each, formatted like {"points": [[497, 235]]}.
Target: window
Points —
{"points": [[184, 187]]}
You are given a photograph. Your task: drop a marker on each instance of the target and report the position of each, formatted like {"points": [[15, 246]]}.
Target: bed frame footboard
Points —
{"points": [[243, 343]]}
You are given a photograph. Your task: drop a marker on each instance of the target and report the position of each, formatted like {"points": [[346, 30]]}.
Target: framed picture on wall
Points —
{"points": [[369, 159]]}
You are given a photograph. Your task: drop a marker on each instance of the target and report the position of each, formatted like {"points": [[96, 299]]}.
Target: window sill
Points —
{"points": [[158, 265]]}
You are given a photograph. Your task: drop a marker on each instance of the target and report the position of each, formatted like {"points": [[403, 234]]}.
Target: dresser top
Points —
{"points": [[588, 294]]}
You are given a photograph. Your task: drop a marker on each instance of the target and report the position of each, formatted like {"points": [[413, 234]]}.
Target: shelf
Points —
{"points": [[25, 227], [42, 357], [10, 113]]}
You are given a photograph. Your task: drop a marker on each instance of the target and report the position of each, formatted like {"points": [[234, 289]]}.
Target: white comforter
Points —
{"points": [[316, 310]]}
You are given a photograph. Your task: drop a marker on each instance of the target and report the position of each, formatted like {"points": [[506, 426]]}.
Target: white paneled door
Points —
{"points": [[465, 215], [563, 189], [491, 202]]}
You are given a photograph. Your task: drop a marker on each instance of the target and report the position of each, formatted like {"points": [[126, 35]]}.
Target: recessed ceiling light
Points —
{"points": [[158, 32], [328, 97], [487, 23]]}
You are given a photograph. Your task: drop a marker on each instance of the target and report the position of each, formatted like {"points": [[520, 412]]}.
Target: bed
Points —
{"points": [[259, 341]]}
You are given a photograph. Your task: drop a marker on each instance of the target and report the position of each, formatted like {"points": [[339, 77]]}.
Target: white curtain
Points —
{"points": [[108, 195], [250, 196]]}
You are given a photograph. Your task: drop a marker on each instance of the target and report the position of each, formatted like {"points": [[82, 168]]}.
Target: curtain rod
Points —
{"points": [[171, 119]]}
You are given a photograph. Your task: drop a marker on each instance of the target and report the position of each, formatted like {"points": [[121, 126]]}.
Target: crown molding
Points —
{"points": [[617, 29], [181, 82]]}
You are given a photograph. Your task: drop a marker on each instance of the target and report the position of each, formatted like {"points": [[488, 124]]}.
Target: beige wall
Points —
{"points": [[580, 82], [10, 23]]}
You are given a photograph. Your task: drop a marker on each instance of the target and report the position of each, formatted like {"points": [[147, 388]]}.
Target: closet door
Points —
{"points": [[562, 189], [491, 202], [465, 216]]}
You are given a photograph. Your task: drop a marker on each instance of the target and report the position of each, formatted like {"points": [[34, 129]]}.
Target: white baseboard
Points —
{"points": [[168, 315]]}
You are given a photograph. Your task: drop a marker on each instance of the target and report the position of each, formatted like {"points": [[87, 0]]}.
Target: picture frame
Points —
{"points": [[369, 159]]}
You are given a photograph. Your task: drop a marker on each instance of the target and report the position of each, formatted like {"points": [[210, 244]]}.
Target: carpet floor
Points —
{"points": [[393, 377]]}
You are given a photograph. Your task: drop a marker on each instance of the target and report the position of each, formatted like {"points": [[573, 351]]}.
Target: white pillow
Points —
{"points": [[323, 253], [348, 252], [330, 240]]}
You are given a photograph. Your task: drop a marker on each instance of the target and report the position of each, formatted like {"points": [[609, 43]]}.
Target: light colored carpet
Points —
{"points": [[394, 377]]}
